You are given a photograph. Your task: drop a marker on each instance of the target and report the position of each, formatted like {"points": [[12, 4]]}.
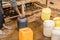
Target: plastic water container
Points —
{"points": [[57, 21], [56, 18], [46, 13], [57, 28], [22, 22], [56, 34], [25, 34], [48, 27]]}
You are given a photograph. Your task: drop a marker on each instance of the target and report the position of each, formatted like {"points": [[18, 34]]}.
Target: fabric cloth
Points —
{"points": [[13, 3]]}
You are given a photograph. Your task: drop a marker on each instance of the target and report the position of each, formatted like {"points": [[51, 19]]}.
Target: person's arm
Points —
{"points": [[14, 5]]}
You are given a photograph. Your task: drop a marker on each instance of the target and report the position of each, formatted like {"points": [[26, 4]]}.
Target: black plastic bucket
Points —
{"points": [[22, 22]]}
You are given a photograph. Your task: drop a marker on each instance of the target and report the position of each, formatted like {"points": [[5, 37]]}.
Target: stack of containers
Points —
{"points": [[48, 24], [56, 31], [25, 33], [51, 27]]}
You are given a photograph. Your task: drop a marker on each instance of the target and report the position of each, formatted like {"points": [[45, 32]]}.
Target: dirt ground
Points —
{"points": [[35, 26]]}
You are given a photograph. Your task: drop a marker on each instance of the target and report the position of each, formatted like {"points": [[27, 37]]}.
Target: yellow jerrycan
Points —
{"points": [[46, 13], [25, 34], [57, 21]]}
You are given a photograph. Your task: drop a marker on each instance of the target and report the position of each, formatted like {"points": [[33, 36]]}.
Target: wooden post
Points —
{"points": [[46, 3], [23, 7]]}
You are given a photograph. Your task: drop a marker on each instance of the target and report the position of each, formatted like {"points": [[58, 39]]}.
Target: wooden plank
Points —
{"points": [[25, 14], [7, 4]]}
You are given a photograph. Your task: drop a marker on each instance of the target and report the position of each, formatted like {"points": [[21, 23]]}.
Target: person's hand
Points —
{"points": [[21, 15]]}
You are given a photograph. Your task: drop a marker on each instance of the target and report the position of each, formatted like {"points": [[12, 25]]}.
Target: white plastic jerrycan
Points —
{"points": [[48, 27], [56, 34]]}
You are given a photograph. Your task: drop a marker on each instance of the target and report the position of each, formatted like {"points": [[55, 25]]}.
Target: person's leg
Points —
{"points": [[1, 18], [1, 23], [1, 26], [1, 15]]}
